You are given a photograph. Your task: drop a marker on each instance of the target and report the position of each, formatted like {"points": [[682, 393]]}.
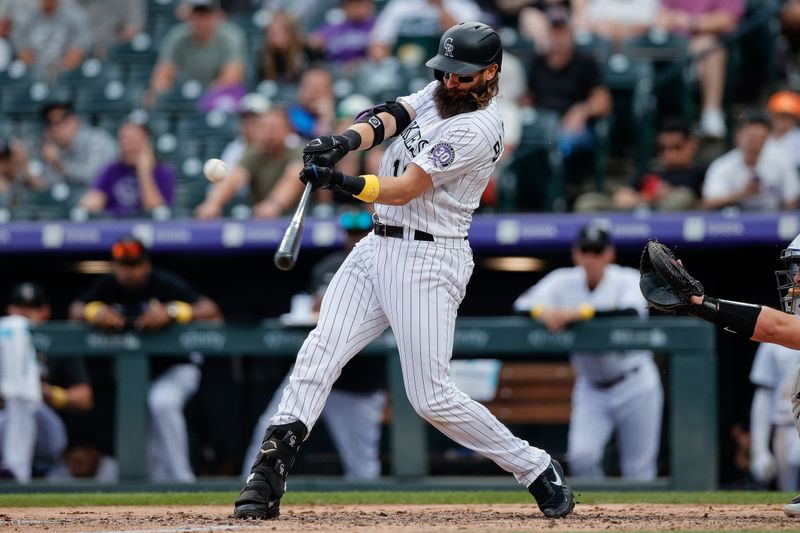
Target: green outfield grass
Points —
{"points": [[400, 498]]}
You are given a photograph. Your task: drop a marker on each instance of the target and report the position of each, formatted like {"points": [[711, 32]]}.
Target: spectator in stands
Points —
{"points": [[137, 294], [251, 107], [568, 82], [72, 151], [136, 184], [704, 21], [615, 20], [674, 186], [34, 389], [113, 21], [202, 49], [754, 175], [54, 39], [14, 173], [784, 113], [346, 42], [315, 109], [270, 168], [422, 17], [285, 55]]}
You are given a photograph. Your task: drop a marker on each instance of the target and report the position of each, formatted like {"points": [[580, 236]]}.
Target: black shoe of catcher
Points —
{"points": [[551, 493], [261, 495]]}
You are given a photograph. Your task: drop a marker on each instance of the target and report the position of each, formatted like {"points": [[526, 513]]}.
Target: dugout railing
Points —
{"points": [[691, 420]]}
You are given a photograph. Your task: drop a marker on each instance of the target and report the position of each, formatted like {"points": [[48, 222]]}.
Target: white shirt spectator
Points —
{"points": [[421, 15], [780, 183], [789, 145]]}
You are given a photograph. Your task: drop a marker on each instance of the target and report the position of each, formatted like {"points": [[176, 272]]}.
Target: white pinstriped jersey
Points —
{"points": [[459, 153]]}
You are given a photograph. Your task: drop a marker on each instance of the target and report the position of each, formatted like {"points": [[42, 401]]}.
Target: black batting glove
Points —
{"points": [[326, 151], [321, 177]]}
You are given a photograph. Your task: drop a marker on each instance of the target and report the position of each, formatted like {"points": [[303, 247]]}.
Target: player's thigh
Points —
{"points": [[51, 434], [590, 423], [174, 387]]}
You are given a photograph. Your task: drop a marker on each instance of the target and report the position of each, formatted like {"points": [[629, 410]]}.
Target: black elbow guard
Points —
{"points": [[401, 118]]}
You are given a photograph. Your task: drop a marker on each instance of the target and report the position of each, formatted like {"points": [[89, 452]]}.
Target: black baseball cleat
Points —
{"points": [[551, 493], [261, 496]]}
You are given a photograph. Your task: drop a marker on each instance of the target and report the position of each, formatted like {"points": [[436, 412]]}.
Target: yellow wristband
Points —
{"points": [[537, 311], [586, 312], [91, 310], [179, 311], [372, 187], [59, 398]]}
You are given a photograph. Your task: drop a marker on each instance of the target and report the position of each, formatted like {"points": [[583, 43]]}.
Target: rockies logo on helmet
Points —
{"points": [[448, 47]]}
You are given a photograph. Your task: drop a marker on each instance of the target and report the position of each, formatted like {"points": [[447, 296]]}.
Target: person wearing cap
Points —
{"points": [[784, 114], [269, 169], [345, 42], [251, 107], [204, 48], [136, 184], [616, 393], [138, 295], [72, 152], [354, 411], [755, 175], [34, 390], [567, 82]]}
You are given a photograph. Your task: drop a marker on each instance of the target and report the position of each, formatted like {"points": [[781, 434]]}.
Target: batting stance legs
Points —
{"points": [[418, 297]]}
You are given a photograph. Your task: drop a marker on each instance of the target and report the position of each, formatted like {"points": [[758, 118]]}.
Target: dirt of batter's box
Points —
{"points": [[403, 518]]}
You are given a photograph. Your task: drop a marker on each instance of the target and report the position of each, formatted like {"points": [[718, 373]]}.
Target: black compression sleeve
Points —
{"points": [[735, 317]]}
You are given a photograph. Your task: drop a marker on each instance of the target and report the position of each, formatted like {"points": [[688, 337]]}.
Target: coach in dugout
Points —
{"points": [[138, 295]]}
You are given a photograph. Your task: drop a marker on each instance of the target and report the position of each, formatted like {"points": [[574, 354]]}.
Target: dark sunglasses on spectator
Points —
{"points": [[461, 79], [670, 147], [592, 250]]}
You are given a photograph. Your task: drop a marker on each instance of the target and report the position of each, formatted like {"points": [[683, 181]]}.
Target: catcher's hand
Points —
{"points": [[665, 283], [325, 151]]}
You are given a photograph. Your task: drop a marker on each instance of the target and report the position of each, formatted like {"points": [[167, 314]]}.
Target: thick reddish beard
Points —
{"points": [[450, 102]]}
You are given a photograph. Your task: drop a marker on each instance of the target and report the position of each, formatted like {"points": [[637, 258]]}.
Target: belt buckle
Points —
{"points": [[380, 229]]}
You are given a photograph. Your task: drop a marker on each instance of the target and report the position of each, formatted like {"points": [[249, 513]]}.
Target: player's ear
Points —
{"points": [[491, 71]]}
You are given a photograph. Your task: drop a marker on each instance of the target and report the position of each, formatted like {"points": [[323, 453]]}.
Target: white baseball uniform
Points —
{"points": [[614, 391], [416, 286], [773, 370]]}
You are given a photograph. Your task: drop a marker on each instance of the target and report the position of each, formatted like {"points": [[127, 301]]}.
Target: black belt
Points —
{"points": [[397, 231], [610, 383]]}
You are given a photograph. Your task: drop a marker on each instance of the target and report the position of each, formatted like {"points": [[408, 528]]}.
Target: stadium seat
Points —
{"points": [[533, 179], [139, 52], [182, 99], [594, 45], [91, 73], [215, 124], [26, 101], [111, 98], [191, 187]]}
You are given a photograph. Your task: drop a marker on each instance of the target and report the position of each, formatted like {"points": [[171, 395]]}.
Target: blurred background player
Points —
{"points": [[33, 389], [354, 411], [775, 446], [617, 392], [137, 294]]}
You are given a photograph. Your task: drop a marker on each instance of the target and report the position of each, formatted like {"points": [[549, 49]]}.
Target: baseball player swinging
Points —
{"points": [[668, 286], [411, 272]]}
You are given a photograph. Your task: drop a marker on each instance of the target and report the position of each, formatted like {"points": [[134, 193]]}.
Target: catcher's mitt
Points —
{"points": [[665, 283]]}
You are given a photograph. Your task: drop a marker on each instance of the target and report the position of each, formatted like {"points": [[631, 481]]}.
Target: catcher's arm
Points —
{"points": [[668, 286]]}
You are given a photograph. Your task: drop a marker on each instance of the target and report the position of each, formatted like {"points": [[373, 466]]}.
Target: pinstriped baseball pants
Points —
{"points": [[415, 287]]}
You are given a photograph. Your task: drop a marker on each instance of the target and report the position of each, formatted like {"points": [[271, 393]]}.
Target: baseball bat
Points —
{"points": [[286, 256]]}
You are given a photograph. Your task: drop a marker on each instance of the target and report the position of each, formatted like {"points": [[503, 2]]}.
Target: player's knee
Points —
{"points": [[583, 459]]}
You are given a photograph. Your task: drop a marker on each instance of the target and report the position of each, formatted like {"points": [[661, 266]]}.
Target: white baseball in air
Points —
{"points": [[215, 170]]}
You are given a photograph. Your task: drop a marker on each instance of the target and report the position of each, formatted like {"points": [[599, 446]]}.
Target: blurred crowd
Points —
{"points": [[108, 108]]}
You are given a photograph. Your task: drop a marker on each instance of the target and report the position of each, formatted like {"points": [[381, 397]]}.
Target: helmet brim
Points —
{"points": [[454, 66]]}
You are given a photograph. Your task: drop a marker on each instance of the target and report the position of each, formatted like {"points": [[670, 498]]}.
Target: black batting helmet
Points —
{"points": [[466, 48]]}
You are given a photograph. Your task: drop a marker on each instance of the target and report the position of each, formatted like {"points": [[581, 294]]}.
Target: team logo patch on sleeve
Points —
{"points": [[442, 155]]}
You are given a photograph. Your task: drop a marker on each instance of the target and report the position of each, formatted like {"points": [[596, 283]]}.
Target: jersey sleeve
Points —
{"points": [[418, 99], [171, 287], [762, 374], [458, 150], [630, 294], [540, 294], [100, 290]]}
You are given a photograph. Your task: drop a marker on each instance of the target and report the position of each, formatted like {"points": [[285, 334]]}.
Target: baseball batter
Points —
{"points": [[771, 417], [666, 285], [615, 392], [411, 273]]}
